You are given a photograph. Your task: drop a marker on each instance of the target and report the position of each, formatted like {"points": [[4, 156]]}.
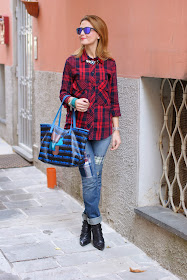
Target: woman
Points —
{"points": [[90, 84]]}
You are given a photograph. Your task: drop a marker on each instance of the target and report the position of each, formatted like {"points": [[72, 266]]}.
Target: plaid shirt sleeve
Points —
{"points": [[115, 109], [66, 82]]}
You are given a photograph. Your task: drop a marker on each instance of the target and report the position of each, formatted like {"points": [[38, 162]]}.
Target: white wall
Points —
{"points": [[2, 92], [150, 124]]}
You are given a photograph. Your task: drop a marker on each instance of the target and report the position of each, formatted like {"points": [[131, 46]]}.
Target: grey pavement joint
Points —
{"points": [[39, 237]]}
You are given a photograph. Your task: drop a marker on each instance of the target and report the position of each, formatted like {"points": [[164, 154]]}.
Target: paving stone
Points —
{"points": [[5, 193], [2, 206], [11, 214], [76, 229], [8, 276], [31, 170], [37, 189], [47, 210], [56, 232], [153, 273], [10, 192], [108, 277], [22, 220], [144, 260], [107, 229], [35, 265], [8, 171], [76, 259], [3, 198], [170, 277], [21, 236], [55, 274], [30, 251], [7, 186], [4, 265], [106, 266], [18, 184], [37, 176], [13, 231], [51, 198], [23, 176], [61, 218], [4, 179], [51, 202], [25, 204], [115, 238], [18, 197], [72, 246], [52, 195], [120, 251], [21, 240]]}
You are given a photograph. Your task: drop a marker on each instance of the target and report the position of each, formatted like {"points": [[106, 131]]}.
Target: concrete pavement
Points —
{"points": [[39, 236]]}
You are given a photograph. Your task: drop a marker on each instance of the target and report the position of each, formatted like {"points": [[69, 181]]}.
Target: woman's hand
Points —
{"points": [[82, 104], [116, 140]]}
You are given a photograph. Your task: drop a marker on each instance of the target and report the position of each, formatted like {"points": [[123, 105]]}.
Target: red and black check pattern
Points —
{"points": [[98, 83]]}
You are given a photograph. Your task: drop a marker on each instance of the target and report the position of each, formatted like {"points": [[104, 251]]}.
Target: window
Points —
{"points": [[173, 145]]}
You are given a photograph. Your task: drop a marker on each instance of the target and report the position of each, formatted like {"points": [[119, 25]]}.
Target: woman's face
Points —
{"points": [[88, 39]]}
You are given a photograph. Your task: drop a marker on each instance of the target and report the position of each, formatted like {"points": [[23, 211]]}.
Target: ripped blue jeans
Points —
{"points": [[96, 150]]}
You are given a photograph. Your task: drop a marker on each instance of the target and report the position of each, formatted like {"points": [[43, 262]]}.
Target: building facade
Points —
{"points": [[147, 39]]}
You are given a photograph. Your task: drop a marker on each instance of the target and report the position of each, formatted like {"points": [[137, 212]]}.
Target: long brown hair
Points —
{"points": [[101, 28]]}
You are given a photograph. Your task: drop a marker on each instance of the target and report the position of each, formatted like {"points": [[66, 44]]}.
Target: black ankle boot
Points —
{"points": [[98, 240], [85, 237]]}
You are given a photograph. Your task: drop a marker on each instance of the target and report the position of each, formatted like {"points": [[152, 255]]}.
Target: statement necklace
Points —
{"points": [[91, 61]]}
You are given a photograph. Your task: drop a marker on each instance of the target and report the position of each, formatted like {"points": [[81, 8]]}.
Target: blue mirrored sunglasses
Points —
{"points": [[86, 30]]}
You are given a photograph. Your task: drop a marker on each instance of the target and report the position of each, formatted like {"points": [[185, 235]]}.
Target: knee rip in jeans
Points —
{"points": [[99, 160]]}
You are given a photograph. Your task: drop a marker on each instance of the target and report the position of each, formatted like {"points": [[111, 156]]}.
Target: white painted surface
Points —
{"points": [[150, 123], [2, 92], [5, 148]]}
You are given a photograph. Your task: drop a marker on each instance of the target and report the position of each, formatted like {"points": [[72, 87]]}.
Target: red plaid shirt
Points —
{"points": [[98, 83]]}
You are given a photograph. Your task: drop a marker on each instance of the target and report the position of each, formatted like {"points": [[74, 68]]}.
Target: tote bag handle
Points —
{"points": [[73, 118]]}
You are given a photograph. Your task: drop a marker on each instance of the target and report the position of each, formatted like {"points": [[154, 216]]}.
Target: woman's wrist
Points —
{"points": [[116, 128], [71, 102]]}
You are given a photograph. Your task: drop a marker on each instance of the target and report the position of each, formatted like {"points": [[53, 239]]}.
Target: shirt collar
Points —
{"points": [[84, 57]]}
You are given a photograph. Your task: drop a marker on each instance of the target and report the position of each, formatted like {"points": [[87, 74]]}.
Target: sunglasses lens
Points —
{"points": [[87, 30], [79, 30]]}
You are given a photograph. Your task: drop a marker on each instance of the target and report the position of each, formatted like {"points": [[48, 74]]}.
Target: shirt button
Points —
{"points": [[92, 73]]}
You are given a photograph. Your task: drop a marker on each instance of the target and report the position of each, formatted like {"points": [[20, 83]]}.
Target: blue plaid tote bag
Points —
{"points": [[63, 147]]}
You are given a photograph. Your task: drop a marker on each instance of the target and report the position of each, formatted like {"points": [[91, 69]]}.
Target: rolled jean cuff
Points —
{"points": [[92, 221]]}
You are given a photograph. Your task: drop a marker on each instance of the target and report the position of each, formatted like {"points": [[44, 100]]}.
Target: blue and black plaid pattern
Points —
{"points": [[98, 83]]}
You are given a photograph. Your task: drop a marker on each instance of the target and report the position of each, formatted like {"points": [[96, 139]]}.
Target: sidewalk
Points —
{"points": [[39, 236]]}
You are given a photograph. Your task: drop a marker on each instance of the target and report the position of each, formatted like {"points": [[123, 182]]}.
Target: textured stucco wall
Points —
{"points": [[121, 166], [165, 247], [8, 130], [120, 173]]}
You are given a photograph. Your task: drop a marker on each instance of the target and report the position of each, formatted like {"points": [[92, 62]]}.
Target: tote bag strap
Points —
{"points": [[73, 117], [58, 113]]}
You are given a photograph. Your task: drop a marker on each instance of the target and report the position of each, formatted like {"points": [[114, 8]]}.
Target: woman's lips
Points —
{"points": [[83, 38]]}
